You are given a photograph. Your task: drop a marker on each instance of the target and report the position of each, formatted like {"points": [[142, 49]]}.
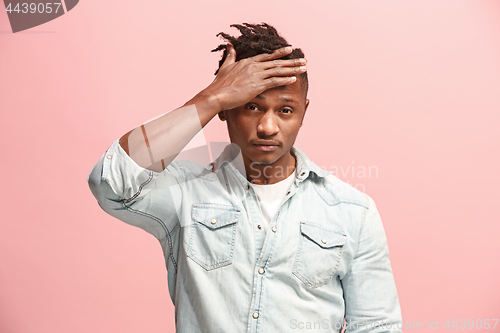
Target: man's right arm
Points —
{"points": [[155, 144]]}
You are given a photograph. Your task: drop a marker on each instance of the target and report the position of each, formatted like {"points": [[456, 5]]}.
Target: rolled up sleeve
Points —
{"points": [[135, 195], [370, 294]]}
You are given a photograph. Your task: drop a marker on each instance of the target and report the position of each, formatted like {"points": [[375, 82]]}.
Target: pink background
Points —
{"points": [[408, 88]]}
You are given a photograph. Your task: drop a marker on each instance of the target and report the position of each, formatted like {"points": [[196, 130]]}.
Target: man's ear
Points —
{"points": [[222, 115], [305, 109]]}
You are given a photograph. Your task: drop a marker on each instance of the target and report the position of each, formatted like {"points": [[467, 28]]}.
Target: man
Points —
{"points": [[242, 258]]}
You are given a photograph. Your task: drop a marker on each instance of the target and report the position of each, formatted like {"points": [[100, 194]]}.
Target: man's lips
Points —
{"points": [[265, 143]]}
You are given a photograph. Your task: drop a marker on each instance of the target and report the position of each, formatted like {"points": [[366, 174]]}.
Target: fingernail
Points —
{"points": [[288, 49]]}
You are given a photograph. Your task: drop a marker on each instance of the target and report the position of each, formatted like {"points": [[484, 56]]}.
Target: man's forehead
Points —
{"points": [[286, 99]]}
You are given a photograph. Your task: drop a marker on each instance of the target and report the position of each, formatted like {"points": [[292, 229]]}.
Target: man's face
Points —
{"points": [[265, 128]]}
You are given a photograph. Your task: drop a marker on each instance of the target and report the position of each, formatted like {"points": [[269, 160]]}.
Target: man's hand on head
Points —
{"points": [[238, 82]]}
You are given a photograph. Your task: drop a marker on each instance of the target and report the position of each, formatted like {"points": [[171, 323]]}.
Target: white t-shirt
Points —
{"points": [[271, 197]]}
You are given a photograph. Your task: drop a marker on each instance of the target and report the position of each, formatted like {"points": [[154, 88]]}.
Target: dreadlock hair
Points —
{"points": [[256, 39]]}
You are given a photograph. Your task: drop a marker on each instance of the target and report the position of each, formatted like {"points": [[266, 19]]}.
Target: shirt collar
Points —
{"points": [[231, 155], [305, 165]]}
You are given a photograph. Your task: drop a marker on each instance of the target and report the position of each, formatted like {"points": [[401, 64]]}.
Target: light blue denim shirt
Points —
{"points": [[324, 257]]}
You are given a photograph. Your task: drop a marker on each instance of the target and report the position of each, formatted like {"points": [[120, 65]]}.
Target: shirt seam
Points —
{"points": [[157, 219]]}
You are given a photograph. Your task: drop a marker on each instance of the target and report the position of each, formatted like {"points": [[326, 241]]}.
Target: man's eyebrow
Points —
{"points": [[283, 99]]}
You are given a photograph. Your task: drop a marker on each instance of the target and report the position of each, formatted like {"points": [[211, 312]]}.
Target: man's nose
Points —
{"points": [[268, 124]]}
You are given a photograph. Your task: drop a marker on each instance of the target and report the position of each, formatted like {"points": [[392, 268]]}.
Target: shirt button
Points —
{"points": [[273, 229], [259, 227], [109, 157], [323, 241], [261, 270], [255, 315], [287, 193], [303, 173], [213, 221]]}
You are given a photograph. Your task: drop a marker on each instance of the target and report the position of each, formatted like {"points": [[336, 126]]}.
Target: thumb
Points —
{"points": [[230, 57]]}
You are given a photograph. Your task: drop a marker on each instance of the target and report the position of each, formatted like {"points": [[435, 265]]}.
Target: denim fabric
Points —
{"points": [[325, 255]]}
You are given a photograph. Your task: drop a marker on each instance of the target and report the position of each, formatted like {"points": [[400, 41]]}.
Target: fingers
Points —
{"points": [[284, 63], [275, 55], [283, 67], [230, 57], [273, 66], [284, 71], [277, 81]]}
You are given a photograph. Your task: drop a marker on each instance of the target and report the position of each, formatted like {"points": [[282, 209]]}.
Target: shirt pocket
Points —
{"points": [[213, 232], [319, 254]]}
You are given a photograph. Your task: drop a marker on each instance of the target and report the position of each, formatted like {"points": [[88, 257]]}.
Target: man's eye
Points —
{"points": [[252, 106], [286, 111]]}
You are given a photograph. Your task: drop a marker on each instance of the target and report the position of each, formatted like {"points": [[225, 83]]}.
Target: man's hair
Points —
{"points": [[257, 39]]}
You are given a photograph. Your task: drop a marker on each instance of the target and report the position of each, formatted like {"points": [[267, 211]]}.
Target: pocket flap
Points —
{"points": [[323, 237], [215, 216]]}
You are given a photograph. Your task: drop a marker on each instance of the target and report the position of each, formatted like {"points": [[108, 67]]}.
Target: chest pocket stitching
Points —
{"points": [[323, 237], [223, 219], [205, 245], [320, 243]]}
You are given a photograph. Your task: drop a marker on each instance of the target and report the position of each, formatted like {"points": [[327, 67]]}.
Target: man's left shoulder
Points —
{"points": [[332, 189], [337, 191]]}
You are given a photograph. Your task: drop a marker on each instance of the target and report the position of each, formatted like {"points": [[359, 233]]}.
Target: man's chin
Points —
{"points": [[263, 160]]}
